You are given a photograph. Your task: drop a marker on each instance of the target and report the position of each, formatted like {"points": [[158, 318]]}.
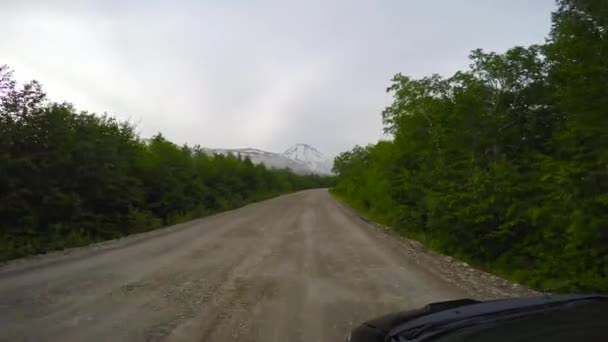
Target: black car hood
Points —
{"points": [[423, 326]]}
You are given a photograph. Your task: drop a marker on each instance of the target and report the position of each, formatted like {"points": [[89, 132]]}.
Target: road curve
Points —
{"points": [[299, 267]]}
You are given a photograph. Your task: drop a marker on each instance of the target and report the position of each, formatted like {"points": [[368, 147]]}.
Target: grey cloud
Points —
{"points": [[262, 74]]}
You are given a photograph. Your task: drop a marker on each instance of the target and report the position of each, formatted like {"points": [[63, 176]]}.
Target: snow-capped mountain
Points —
{"points": [[309, 156], [301, 158]]}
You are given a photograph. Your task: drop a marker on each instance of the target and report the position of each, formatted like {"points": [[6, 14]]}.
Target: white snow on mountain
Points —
{"points": [[311, 157], [301, 158]]}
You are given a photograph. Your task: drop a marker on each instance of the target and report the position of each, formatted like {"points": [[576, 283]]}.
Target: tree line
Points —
{"points": [[504, 164], [70, 178]]}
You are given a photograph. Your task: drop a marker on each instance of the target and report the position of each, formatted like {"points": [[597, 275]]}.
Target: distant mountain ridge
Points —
{"points": [[300, 158]]}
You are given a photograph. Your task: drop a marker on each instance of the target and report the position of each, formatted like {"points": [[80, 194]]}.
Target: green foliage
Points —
{"points": [[70, 178], [505, 164]]}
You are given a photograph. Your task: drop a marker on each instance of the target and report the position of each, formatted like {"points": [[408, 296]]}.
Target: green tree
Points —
{"points": [[69, 178], [503, 164]]}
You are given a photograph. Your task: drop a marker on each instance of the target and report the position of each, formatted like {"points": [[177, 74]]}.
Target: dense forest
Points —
{"points": [[69, 178], [505, 164]]}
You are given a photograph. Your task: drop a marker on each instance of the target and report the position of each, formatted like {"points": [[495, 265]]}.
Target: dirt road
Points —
{"points": [[299, 267]]}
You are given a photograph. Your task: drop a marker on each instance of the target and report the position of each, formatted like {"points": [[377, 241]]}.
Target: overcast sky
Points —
{"points": [[263, 74]]}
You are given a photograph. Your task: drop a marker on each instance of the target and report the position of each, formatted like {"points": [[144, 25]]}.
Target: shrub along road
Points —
{"points": [[300, 267]]}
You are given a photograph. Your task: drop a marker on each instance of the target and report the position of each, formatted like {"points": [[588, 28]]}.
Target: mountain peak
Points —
{"points": [[309, 156], [300, 158], [303, 152]]}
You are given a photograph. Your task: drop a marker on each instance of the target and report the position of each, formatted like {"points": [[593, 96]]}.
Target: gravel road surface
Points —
{"points": [[300, 267]]}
